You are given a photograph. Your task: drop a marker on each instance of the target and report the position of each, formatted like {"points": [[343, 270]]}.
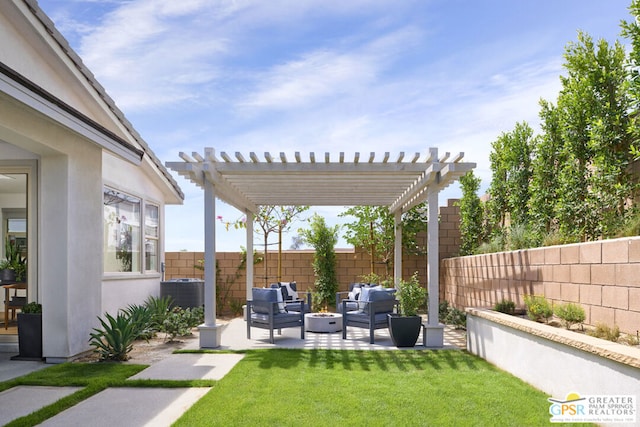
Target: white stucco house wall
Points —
{"points": [[93, 192]]}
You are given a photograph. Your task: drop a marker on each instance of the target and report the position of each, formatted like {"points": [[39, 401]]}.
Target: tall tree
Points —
{"points": [[323, 239], [268, 220], [545, 169], [511, 167], [594, 110], [470, 214], [372, 230]]}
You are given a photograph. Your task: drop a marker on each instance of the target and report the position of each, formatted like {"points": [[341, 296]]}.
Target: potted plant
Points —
{"points": [[7, 274], [30, 332], [404, 327], [13, 267]]}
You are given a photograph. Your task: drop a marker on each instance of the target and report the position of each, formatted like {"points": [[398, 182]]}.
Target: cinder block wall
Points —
{"points": [[297, 265], [603, 277]]}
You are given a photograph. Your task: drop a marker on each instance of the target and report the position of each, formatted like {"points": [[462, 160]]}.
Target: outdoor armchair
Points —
{"points": [[373, 306], [292, 297], [267, 311], [353, 295]]}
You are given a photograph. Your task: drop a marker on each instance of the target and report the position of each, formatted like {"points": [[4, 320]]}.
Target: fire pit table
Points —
{"points": [[323, 322]]}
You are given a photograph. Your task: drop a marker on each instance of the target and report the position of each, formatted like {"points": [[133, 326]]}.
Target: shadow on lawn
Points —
{"points": [[406, 360]]}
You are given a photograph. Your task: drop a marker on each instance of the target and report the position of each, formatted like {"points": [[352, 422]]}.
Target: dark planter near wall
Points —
{"points": [[29, 336], [404, 330]]}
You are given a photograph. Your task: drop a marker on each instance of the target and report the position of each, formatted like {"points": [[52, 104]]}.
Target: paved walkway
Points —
{"points": [[162, 406]]}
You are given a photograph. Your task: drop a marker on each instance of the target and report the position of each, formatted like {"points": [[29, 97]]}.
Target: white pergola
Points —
{"points": [[247, 184]]}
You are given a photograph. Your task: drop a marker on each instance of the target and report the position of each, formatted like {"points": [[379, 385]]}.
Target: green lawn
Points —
{"points": [[328, 387], [373, 388]]}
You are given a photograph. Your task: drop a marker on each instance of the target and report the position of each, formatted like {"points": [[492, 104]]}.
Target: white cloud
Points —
{"points": [[316, 76]]}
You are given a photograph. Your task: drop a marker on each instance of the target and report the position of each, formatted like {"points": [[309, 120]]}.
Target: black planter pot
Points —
{"points": [[29, 336], [404, 330], [7, 275]]}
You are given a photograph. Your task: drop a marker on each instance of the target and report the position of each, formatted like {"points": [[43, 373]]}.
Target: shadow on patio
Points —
{"points": [[234, 337]]}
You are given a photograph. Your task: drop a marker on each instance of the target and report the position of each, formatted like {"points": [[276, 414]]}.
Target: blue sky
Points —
{"points": [[325, 76]]}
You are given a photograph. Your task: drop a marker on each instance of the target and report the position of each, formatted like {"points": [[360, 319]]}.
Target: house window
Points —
{"points": [[122, 239], [151, 235]]}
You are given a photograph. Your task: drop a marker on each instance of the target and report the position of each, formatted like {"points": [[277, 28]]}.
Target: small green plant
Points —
{"points": [[443, 310], [411, 295], [496, 244], [452, 316], [505, 306], [555, 237], [14, 260], [176, 324], [538, 308], [569, 314], [194, 316], [632, 340], [456, 317], [115, 340], [521, 237], [235, 305], [179, 321], [32, 307], [159, 308], [605, 332]]}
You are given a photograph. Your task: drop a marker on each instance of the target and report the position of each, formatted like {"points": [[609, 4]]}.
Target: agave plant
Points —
{"points": [[115, 340], [160, 309], [141, 316]]}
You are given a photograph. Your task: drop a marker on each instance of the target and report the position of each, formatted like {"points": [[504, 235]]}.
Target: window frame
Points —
{"points": [[139, 238]]}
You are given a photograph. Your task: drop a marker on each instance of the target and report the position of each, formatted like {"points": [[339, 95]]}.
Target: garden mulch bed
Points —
{"points": [[149, 352]]}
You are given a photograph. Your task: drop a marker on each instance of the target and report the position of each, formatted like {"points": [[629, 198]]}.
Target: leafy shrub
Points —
{"points": [[605, 332], [538, 308], [452, 316], [176, 323], [443, 310], [569, 314], [411, 296], [115, 340], [457, 318], [32, 307], [194, 316], [179, 321], [505, 306]]}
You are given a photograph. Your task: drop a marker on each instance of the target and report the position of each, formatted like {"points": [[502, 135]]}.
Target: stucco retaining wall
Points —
{"points": [[553, 360], [603, 277]]}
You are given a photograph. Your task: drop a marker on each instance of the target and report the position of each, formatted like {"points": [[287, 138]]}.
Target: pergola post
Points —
{"points": [[249, 266], [434, 330], [397, 254], [209, 332]]}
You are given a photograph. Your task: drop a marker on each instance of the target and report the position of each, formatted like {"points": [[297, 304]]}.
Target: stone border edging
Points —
{"points": [[617, 352]]}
